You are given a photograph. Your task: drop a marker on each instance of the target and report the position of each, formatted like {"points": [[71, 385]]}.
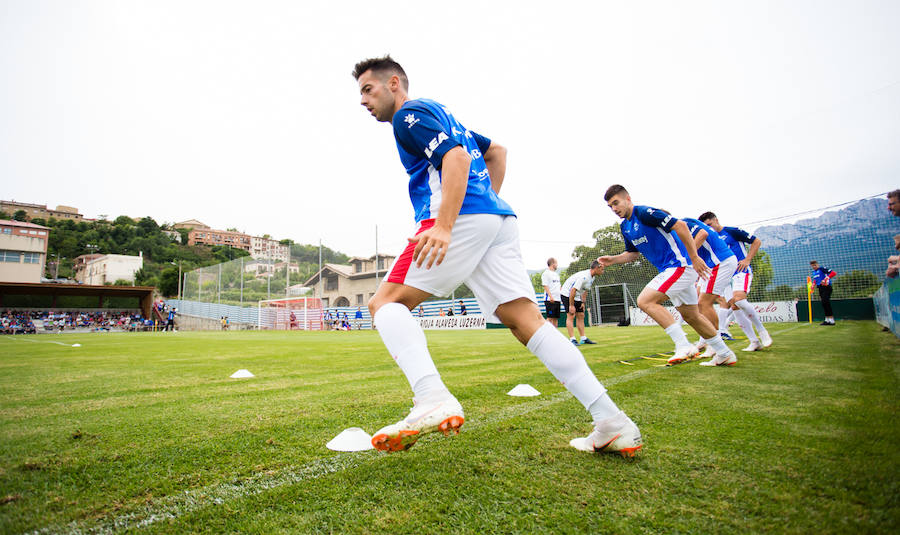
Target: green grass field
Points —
{"points": [[146, 433]]}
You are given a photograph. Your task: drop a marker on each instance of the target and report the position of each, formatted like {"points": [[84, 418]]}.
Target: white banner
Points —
{"points": [[769, 312], [475, 321]]}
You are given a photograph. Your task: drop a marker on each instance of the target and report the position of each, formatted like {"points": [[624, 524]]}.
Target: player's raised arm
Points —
{"points": [[495, 160], [621, 258]]}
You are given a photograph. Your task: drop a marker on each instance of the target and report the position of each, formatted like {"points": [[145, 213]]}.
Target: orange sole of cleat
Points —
{"points": [[674, 362], [628, 453], [403, 441], [451, 424]]}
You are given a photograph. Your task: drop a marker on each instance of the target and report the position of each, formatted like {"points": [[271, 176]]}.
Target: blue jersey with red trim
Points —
{"points": [[714, 249], [822, 273], [737, 240], [649, 231], [425, 131]]}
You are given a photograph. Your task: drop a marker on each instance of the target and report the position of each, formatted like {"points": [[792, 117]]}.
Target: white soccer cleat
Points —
{"points": [[427, 416], [701, 344], [683, 354], [765, 339], [754, 346], [729, 359], [709, 353], [613, 435]]}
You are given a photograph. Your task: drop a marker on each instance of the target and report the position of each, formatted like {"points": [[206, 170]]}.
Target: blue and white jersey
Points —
{"points": [[425, 131], [819, 275], [714, 249], [649, 231], [737, 240]]}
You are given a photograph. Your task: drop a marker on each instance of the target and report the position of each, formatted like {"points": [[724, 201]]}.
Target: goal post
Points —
{"points": [[291, 314]]}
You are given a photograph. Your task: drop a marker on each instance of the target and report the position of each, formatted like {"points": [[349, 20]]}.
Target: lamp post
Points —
{"points": [[179, 278]]}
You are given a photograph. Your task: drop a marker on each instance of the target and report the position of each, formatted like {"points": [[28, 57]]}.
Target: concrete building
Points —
{"points": [[268, 249], [40, 210], [108, 268], [190, 224], [23, 251], [208, 236], [341, 285]]}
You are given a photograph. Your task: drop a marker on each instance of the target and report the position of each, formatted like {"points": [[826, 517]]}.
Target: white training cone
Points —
{"points": [[241, 374], [76, 345], [523, 391], [351, 439]]}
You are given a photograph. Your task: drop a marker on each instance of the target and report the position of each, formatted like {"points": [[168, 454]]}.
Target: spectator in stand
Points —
{"points": [[462, 308], [821, 277], [421, 312], [358, 318], [450, 310], [441, 311]]}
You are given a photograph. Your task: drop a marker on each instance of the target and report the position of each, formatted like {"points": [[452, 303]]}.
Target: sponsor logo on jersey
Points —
{"points": [[642, 239], [435, 143]]}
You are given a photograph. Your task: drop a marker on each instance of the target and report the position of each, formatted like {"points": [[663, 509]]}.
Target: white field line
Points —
{"points": [[177, 505], [40, 341]]}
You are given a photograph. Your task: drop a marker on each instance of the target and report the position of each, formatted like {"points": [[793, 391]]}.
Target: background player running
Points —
{"points": [[666, 242], [746, 316], [466, 234], [573, 292], [722, 263]]}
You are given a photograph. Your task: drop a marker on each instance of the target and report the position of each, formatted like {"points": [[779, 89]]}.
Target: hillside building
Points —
{"points": [[23, 251], [40, 210], [100, 269]]}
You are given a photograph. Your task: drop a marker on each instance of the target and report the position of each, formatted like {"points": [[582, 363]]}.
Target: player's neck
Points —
{"points": [[630, 212]]}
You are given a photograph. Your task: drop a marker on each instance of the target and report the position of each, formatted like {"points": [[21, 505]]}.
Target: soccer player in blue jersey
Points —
{"points": [[667, 243], [747, 317], [466, 234], [720, 259]]}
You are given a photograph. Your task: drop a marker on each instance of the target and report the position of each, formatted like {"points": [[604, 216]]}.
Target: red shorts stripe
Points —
{"points": [[664, 287], [711, 285], [746, 282], [401, 266]]}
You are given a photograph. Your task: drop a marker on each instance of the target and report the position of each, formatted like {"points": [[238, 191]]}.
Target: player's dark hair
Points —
{"points": [[382, 65], [550, 261], [614, 190], [894, 194], [595, 264], [706, 216], [811, 262]]}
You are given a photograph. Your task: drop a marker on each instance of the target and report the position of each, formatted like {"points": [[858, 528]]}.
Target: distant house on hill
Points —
{"points": [[343, 285]]}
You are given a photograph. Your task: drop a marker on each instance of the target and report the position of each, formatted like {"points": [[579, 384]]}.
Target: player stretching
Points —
{"points": [[722, 263], [746, 316], [573, 292], [666, 242], [466, 234]]}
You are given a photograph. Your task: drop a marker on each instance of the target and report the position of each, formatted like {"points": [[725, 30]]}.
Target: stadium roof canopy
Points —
{"points": [[143, 293]]}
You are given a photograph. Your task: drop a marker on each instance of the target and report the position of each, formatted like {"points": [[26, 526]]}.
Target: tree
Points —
{"points": [[762, 273], [4, 215], [856, 283], [20, 215], [608, 242]]}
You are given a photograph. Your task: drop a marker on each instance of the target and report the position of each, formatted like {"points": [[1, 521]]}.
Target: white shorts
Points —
{"points": [[720, 277], [741, 282], [677, 284], [484, 254]]}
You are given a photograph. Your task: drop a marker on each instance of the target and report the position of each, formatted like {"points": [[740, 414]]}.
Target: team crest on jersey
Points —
{"points": [[410, 120], [634, 226]]}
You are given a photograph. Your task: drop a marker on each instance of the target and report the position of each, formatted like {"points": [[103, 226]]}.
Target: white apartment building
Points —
{"points": [[267, 249], [108, 269]]}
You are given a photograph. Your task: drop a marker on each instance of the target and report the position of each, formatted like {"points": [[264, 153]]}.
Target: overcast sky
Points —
{"points": [[244, 114]]}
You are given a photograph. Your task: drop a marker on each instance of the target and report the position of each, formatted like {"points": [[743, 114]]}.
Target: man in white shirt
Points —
{"points": [[573, 292], [550, 280]]}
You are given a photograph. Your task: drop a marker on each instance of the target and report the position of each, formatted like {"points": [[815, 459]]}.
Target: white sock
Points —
{"points": [[751, 313], [724, 315], [603, 408], [676, 333], [568, 366], [584, 337], [745, 324], [405, 341], [718, 345]]}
